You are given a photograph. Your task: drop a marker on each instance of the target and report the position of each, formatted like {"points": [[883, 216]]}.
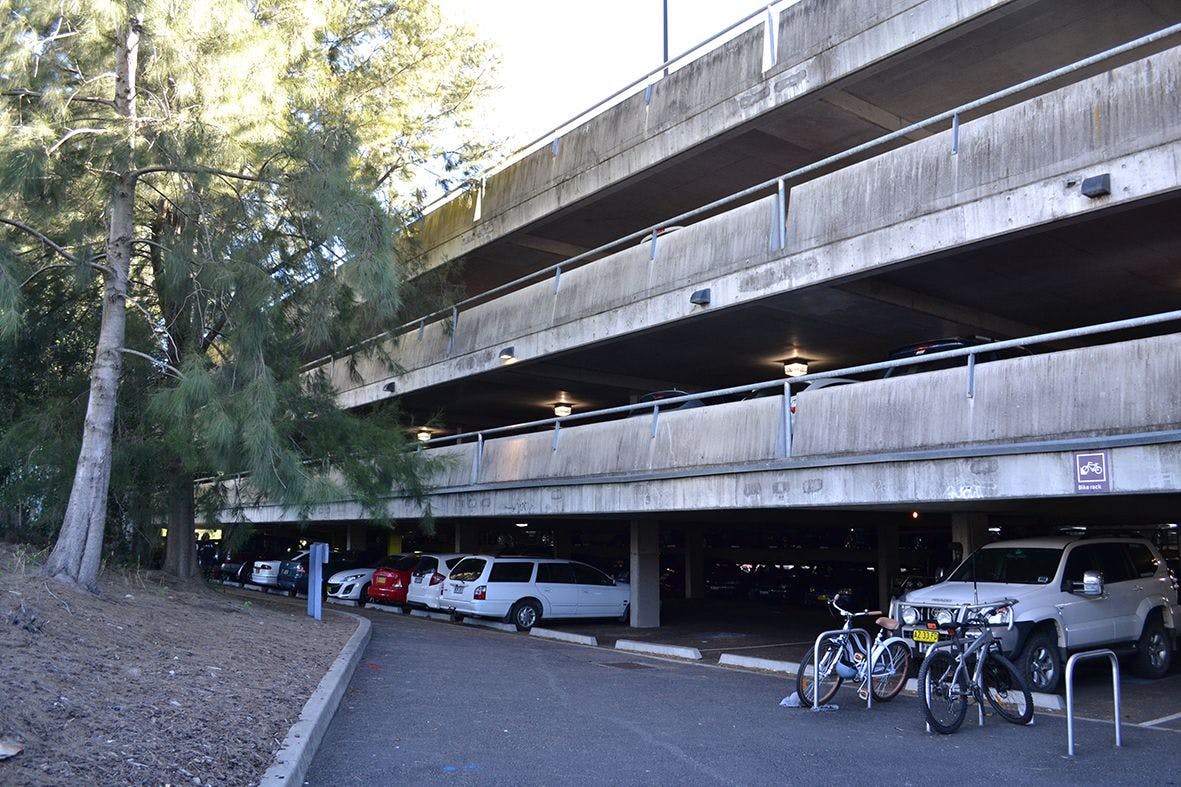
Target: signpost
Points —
{"points": [[316, 559]]}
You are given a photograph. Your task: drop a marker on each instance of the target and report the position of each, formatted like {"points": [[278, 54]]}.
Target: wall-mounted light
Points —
{"points": [[1096, 186], [795, 367], [508, 355], [700, 297], [563, 409], [522, 524], [390, 387], [423, 435]]}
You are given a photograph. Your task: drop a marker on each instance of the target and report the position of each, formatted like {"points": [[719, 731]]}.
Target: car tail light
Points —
{"points": [[436, 578], [397, 582], [480, 593], [301, 569]]}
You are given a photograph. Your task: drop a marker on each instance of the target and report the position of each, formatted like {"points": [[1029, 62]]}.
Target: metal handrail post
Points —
{"points": [[816, 661], [1077, 657]]}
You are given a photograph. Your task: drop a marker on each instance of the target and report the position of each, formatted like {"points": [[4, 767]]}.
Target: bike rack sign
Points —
{"points": [[1092, 472]]}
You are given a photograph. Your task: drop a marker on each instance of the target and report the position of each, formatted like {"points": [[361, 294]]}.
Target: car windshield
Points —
{"points": [[1016, 565]]}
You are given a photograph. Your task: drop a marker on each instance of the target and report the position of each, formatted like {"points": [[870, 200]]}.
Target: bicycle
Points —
{"points": [[843, 657], [955, 670]]}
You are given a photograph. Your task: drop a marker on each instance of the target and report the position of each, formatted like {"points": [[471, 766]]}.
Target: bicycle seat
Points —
{"points": [[889, 624]]}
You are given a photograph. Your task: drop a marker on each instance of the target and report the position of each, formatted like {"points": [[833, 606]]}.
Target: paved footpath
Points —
{"points": [[440, 703]]}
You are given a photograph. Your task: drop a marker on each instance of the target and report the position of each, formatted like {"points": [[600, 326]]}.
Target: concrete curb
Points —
{"points": [[299, 747], [750, 662], [676, 651], [562, 636], [489, 624], [422, 613]]}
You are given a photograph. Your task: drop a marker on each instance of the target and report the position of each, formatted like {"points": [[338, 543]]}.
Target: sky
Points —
{"points": [[560, 57]]}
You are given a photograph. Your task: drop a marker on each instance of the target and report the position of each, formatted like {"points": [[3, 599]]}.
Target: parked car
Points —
{"points": [[523, 591], [265, 573], [391, 582], [352, 584], [932, 346], [293, 573], [237, 562], [1071, 594], [653, 397], [426, 579]]}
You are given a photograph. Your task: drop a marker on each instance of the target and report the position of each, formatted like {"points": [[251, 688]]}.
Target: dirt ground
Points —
{"points": [[144, 684]]}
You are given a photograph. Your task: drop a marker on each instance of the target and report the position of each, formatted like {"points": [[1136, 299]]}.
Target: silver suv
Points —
{"points": [[1072, 595]]}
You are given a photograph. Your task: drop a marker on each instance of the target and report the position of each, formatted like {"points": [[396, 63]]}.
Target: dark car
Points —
{"points": [[237, 562], [932, 346], [293, 574]]}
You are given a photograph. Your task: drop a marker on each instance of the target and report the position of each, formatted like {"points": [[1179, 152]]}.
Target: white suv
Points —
{"points": [[1072, 595], [523, 590]]}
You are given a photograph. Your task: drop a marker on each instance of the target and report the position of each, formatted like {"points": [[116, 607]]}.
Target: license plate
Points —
{"points": [[457, 589], [382, 580], [418, 580], [924, 635]]}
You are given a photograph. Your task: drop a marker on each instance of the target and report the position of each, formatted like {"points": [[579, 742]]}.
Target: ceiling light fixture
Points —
{"points": [[522, 524], [508, 355], [563, 409], [423, 435], [795, 367]]}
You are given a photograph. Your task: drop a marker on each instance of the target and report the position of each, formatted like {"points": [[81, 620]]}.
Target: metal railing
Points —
{"points": [[778, 186], [784, 441]]}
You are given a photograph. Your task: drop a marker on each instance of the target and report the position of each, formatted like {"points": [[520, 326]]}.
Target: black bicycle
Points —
{"points": [[970, 664]]}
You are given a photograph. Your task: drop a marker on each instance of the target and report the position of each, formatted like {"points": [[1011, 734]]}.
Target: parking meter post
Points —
{"points": [[317, 557]]}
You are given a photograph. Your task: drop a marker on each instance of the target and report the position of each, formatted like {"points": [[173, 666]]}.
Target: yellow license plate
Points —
{"points": [[381, 580], [924, 635]]}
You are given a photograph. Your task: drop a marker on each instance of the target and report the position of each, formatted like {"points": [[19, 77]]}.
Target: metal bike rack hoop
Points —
{"points": [[864, 637], [1091, 654]]}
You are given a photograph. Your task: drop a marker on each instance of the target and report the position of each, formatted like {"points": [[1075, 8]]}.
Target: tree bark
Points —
{"points": [[180, 550], [77, 555]]}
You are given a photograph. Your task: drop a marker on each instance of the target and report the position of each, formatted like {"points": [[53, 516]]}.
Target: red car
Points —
{"points": [[391, 582]]}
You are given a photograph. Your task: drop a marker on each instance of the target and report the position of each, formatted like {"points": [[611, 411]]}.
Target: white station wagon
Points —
{"points": [[523, 590]]}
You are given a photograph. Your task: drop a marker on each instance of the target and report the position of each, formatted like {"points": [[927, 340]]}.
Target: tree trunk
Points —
{"points": [[77, 555], [180, 550]]}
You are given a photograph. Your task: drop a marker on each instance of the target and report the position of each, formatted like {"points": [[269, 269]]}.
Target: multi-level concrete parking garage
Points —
{"points": [[732, 216]]}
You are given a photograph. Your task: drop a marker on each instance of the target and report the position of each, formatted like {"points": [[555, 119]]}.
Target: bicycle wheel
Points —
{"points": [[943, 695], [820, 684], [1006, 690], [889, 671]]}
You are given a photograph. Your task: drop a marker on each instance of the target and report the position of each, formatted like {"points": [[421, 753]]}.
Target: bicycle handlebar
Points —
{"points": [[833, 603]]}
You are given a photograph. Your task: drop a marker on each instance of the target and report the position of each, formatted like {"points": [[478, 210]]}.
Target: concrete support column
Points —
{"points": [[563, 541], [356, 536], [887, 562], [694, 563], [970, 531], [645, 574], [467, 537]]}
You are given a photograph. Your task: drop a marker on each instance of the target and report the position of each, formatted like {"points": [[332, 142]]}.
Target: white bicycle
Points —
{"points": [[843, 657]]}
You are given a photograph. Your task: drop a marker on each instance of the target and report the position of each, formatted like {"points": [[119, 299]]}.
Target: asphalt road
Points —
{"points": [[435, 702]]}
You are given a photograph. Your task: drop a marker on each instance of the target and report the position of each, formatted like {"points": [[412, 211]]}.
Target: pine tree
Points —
{"points": [[236, 175]]}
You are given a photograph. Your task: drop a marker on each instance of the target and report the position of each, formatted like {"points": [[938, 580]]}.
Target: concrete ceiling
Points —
{"points": [[1062, 277]]}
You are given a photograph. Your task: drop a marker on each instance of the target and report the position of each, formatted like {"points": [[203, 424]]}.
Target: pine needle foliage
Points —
{"points": [[268, 150]]}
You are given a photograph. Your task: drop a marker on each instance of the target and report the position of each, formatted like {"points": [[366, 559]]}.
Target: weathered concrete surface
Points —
{"points": [[820, 41], [850, 444], [1016, 170]]}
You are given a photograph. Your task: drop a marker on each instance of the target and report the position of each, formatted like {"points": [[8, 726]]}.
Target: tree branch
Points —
{"points": [[72, 133], [25, 93], [41, 237], [162, 365], [136, 174]]}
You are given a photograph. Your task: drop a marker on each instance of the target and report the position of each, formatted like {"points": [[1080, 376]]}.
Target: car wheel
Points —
{"points": [[456, 617], [1154, 651], [405, 608], [1040, 662], [363, 596], [626, 615], [524, 614]]}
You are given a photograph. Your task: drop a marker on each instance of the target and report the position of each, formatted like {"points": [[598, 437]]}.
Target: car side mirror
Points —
{"points": [[1091, 586]]}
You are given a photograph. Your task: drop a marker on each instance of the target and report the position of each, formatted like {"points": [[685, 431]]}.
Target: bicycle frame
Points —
{"points": [[982, 642], [854, 642]]}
